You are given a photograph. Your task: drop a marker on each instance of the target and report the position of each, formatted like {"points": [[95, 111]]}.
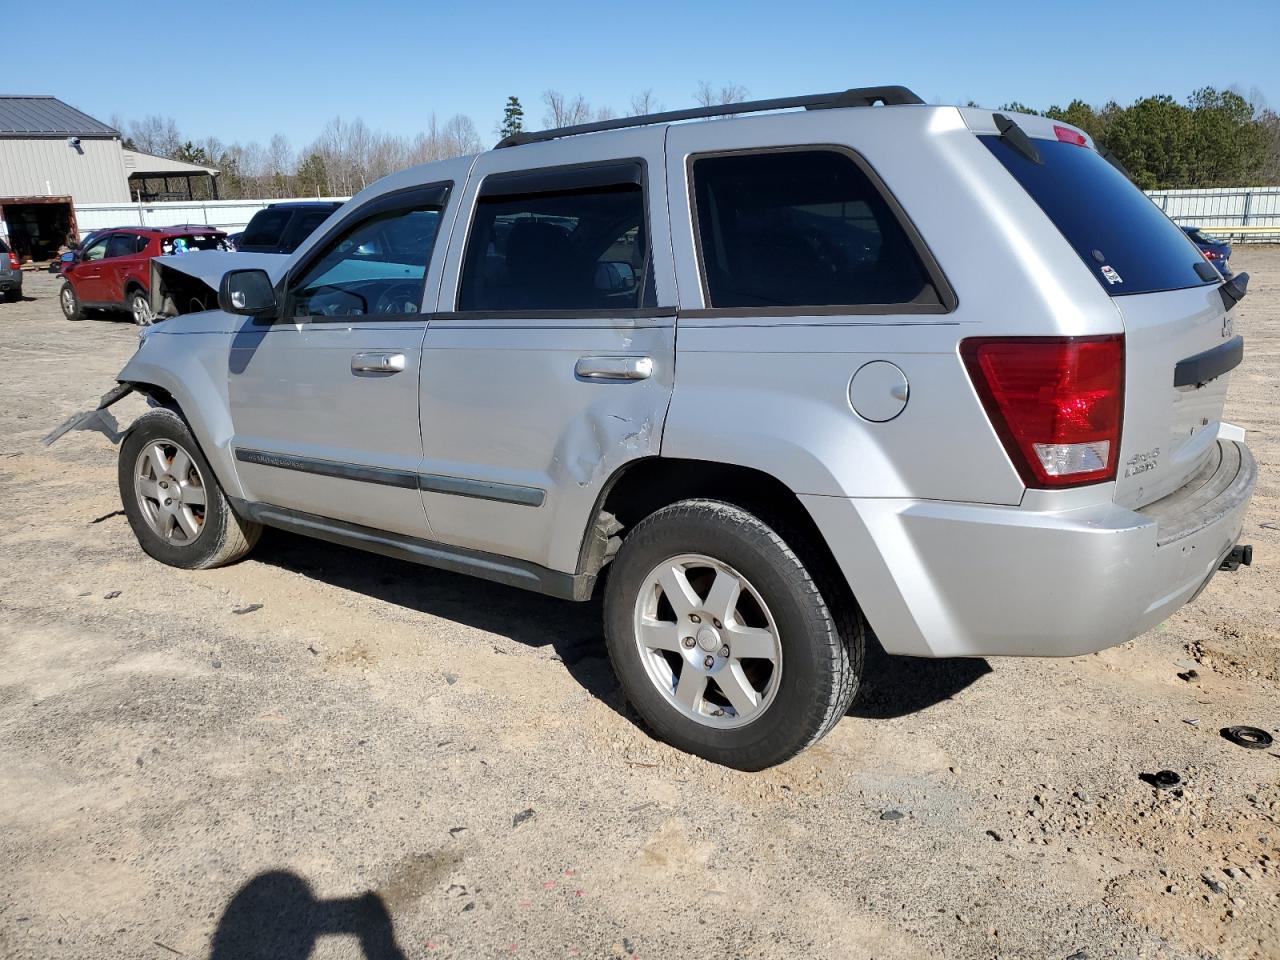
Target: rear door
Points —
{"points": [[125, 261], [1166, 294], [550, 364], [324, 399]]}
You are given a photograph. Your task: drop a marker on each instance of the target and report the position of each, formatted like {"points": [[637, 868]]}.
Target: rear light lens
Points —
{"points": [[13, 261], [1056, 402], [1211, 255], [1067, 135]]}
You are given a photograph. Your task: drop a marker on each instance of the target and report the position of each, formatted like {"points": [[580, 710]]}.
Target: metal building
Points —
{"points": [[52, 157]]}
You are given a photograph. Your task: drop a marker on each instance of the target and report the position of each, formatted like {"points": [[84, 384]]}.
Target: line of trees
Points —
{"points": [[1213, 138]]}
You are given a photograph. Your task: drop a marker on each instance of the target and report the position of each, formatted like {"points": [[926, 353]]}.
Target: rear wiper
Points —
{"points": [[1017, 139]]}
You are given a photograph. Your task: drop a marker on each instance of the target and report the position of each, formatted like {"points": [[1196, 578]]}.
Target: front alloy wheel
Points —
{"points": [[171, 492], [140, 309]]}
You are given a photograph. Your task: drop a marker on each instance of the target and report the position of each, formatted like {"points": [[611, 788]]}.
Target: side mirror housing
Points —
{"points": [[248, 293], [68, 257]]}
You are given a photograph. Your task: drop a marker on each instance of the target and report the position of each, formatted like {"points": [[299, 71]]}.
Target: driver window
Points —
{"points": [[96, 251], [376, 267]]}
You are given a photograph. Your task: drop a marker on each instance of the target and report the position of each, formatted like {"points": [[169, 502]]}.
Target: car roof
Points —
{"points": [[304, 204]]}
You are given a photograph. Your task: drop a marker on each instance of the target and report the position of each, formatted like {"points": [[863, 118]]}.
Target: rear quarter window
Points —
{"points": [[1125, 240], [266, 228], [801, 229]]}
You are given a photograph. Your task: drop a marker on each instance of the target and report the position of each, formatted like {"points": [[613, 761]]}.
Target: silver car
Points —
{"points": [[10, 274], [770, 382]]}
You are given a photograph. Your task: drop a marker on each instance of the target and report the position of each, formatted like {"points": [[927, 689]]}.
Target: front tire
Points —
{"points": [[722, 639], [173, 501], [71, 308]]}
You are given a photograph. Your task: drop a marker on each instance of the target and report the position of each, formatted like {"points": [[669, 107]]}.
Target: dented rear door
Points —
{"points": [[549, 362]]}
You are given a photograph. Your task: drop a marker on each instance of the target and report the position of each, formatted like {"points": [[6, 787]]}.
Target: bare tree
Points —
{"points": [[563, 112], [156, 135], [642, 103], [710, 96]]}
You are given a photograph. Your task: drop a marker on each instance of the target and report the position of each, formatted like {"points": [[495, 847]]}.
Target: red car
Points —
{"points": [[114, 271]]}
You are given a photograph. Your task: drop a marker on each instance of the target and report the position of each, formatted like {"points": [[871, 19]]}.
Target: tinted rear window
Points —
{"points": [[1122, 237], [265, 229], [303, 225], [800, 228]]}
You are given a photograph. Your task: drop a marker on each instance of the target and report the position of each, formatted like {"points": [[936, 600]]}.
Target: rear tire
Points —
{"points": [[173, 501], [788, 655], [140, 308], [13, 296], [71, 308]]}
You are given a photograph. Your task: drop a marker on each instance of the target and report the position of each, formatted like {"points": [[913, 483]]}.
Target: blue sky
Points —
{"points": [[243, 71]]}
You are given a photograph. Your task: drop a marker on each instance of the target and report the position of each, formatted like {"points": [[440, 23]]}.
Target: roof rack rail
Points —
{"points": [[856, 97]]}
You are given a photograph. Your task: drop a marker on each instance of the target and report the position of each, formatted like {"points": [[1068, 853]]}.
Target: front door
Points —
{"points": [[324, 398], [90, 285], [550, 362]]}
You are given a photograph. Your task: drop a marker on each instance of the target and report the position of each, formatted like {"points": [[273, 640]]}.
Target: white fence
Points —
{"points": [[228, 215], [1234, 213]]}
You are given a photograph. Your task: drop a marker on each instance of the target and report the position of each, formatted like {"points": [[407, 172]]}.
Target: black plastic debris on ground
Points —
{"points": [[1162, 779], [522, 816], [1251, 738], [249, 609]]}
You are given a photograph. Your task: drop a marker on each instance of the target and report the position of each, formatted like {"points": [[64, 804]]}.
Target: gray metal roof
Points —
{"points": [[24, 118]]}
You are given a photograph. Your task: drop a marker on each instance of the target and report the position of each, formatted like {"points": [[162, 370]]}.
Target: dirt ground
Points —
{"points": [[320, 746]]}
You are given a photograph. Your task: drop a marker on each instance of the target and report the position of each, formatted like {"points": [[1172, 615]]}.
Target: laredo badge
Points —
{"points": [[1110, 274]]}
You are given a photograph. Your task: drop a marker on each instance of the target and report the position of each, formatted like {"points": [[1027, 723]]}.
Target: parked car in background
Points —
{"points": [[10, 273], [1217, 252], [113, 270], [233, 240], [858, 429], [281, 227]]}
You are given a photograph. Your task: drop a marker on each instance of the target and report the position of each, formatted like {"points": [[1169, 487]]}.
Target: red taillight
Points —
{"points": [[1056, 402], [1211, 255], [13, 261], [1067, 135]]}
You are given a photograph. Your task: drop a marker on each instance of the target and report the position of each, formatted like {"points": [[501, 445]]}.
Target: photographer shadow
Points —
{"points": [[275, 916]]}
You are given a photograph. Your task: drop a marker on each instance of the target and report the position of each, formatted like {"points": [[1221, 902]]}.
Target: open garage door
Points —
{"points": [[38, 226]]}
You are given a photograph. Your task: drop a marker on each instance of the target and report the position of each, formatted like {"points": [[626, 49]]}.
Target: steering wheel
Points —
{"points": [[399, 298]]}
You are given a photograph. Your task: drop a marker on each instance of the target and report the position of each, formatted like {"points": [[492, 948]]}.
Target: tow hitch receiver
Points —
{"points": [[1241, 553]]}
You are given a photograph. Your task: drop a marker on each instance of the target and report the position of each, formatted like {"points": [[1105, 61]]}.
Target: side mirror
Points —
{"points": [[68, 257], [248, 293], [615, 276]]}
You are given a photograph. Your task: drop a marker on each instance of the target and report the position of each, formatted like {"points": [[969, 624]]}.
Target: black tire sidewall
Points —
{"points": [[166, 425], [806, 631]]}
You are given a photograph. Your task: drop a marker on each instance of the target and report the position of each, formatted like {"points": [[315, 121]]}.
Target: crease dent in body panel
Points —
{"points": [[598, 442]]}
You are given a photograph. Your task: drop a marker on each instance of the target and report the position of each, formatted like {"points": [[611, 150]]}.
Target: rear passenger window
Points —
{"points": [[801, 228], [575, 247], [124, 245]]}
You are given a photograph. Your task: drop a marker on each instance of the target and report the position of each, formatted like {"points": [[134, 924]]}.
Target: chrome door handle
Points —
{"points": [[377, 362], [614, 368]]}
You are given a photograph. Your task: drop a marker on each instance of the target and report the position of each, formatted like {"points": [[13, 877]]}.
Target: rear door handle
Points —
{"points": [[377, 362], [614, 368]]}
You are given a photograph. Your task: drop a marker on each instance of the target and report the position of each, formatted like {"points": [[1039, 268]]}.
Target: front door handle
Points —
{"points": [[614, 368], [377, 362]]}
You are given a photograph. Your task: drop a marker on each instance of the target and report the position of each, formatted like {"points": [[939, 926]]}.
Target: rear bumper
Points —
{"points": [[11, 282], [941, 579]]}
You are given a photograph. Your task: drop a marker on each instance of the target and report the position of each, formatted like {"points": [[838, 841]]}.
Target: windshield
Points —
{"points": [[1125, 240]]}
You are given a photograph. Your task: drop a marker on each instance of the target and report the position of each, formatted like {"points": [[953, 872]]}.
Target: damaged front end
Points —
{"points": [[189, 283]]}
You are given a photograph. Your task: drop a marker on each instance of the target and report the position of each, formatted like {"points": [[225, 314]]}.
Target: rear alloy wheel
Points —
{"points": [[723, 641], [71, 308], [140, 309], [172, 499]]}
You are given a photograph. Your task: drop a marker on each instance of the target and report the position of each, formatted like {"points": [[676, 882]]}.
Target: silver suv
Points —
{"points": [[853, 363]]}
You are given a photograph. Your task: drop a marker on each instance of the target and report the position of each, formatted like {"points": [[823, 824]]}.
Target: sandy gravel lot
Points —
{"points": [[322, 747]]}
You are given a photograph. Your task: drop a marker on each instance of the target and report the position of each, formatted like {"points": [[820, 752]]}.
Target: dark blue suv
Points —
{"points": [[1217, 252]]}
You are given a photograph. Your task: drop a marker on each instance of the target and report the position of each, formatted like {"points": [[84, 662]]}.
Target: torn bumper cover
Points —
{"points": [[95, 419]]}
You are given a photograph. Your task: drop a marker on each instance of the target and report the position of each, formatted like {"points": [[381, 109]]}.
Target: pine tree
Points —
{"points": [[512, 118]]}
